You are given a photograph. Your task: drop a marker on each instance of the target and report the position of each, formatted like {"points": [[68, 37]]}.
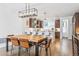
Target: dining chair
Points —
{"points": [[46, 46], [10, 35], [24, 43], [15, 42]]}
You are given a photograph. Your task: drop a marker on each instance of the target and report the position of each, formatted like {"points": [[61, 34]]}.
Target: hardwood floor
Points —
{"points": [[58, 48], [66, 47]]}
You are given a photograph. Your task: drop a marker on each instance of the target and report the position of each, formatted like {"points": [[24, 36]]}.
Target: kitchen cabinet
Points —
{"points": [[35, 23], [57, 24], [75, 37], [76, 16], [57, 28]]}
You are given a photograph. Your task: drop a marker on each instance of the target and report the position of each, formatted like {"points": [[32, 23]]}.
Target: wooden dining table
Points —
{"points": [[32, 38]]}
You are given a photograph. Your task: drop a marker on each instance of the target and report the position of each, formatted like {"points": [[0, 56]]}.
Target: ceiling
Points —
{"points": [[56, 9]]}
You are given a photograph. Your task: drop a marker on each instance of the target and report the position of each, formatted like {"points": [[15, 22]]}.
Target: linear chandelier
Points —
{"points": [[28, 12]]}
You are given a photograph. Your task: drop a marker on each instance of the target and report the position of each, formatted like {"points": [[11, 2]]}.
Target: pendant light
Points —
{"points": [[28, 12]]}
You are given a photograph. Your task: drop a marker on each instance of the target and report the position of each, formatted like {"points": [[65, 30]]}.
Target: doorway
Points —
{"points": [[65, 28]]}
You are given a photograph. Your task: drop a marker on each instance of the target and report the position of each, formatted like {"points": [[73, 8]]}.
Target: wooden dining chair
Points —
{"points": [[10, 36], [24, 43], [46, 46], [15, 42]]}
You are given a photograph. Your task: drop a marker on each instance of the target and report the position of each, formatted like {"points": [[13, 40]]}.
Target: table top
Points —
{"points": [[33, 38]]}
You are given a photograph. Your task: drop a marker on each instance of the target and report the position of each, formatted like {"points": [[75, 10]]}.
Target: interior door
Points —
{"points": [[64, 28]]}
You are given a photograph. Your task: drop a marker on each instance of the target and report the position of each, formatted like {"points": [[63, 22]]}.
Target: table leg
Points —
{"points": [[7, 44], [73, 45], [36, 50], [46, 49], [46, 52]]}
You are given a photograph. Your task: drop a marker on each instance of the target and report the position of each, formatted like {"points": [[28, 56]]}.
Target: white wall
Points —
{"points": [[9, 21]]}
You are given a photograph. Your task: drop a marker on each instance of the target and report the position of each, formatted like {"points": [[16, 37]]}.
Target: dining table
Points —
{"points": [[36, 39]]}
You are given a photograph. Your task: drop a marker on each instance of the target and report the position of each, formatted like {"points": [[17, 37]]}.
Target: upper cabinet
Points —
{"points": [[39, 24], [35, 23], [57, 24]]}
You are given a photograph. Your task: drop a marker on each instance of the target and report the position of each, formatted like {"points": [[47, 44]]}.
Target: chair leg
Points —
{"points": [[46, 50], [33, 49], [29, 51], [19, 48], [50, 50], [11, 49], [40, 50], [26, 50]]}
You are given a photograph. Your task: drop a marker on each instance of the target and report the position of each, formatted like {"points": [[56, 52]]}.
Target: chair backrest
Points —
{"points": [[14, 41], [24, 43], [11, 35]]}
